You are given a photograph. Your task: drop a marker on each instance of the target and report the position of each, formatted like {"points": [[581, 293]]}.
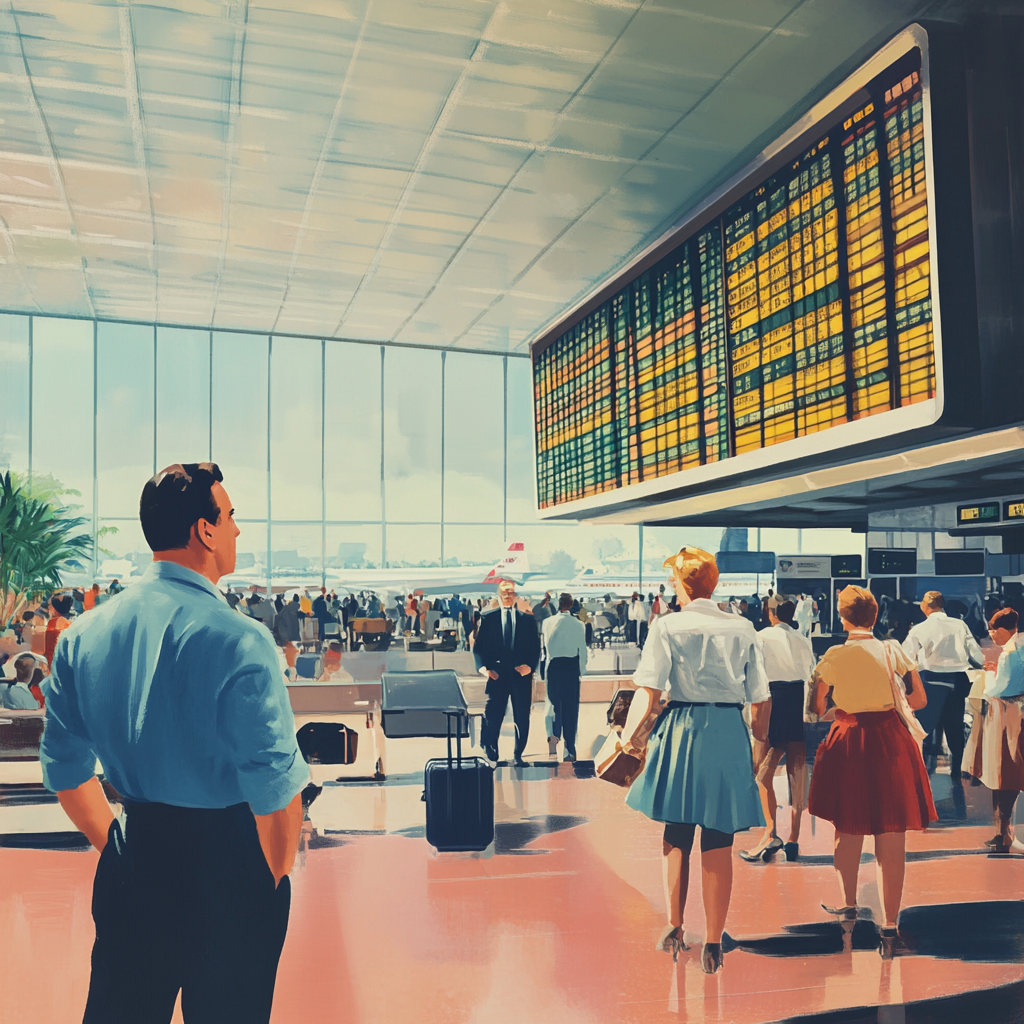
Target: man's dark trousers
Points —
{"points": [[944, 713], [564, 694], [184, 899], [499, 691]]}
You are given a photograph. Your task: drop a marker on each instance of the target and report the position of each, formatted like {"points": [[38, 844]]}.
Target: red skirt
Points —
{"points": [[869, 777]]}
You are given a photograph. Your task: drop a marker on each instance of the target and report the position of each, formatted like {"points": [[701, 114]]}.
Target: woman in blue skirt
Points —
{"points": [[706, 664]]}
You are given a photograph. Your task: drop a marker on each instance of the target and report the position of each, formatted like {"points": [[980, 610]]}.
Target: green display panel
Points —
{"points": [[803, 305]]}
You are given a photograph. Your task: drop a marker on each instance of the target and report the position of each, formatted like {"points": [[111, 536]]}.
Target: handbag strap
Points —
{"points": [[899, 696]]}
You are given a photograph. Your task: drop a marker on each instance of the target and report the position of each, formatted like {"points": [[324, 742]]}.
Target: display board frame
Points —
{"points": [[826, 444]]}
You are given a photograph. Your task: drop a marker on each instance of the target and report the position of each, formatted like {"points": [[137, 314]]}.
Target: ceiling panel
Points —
{"points": [[453, 173]]}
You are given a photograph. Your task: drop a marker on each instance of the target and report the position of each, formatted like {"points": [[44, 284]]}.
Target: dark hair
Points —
{"points": [[175, 500], [785, 612], [61, 603], [1005, 618], [564, 602]]}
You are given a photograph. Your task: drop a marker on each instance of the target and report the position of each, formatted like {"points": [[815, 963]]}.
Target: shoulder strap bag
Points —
{"points": [[899, 696]]}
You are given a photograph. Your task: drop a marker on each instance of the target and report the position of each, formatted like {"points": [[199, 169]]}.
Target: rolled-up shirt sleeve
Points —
{"points": [[66, 754], [257, 725], [655, 666]]}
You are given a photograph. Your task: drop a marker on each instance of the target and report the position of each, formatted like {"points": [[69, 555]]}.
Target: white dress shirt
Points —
{"points": [[705, 655], [942, 644], [565, 637], [788, 654]]}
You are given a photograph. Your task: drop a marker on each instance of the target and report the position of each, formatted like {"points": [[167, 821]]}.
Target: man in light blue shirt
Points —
{"points": [[565, 641], [184, 704]]}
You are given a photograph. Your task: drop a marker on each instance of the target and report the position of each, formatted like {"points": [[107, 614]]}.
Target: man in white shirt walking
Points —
{"points": [[944, 649], [789, 663], [565, 641]]}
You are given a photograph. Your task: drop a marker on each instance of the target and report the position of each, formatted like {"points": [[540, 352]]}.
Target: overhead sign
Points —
{"points": [[978, 514], [892, 561], [804, 566], [1014, 509]]}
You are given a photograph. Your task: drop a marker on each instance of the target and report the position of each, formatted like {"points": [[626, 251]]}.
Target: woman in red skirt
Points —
{"points": [[869, 777]]}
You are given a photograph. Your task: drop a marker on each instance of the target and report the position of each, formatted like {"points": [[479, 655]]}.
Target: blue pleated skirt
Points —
{"points": [[699, 771]]}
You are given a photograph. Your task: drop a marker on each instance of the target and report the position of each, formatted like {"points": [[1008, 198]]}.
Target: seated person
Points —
{"points": [[331, 659], [17, 694]]}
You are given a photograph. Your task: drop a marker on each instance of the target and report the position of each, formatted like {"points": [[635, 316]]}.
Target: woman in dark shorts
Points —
{"points": [[869, 777], [788, 661]]}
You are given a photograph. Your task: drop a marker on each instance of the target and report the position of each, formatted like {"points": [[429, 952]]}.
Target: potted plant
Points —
{"points": [[39, 539]]}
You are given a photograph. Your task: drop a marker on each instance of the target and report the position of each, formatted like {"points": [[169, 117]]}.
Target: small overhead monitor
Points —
{"points": [[1013, 510], [847, 566], [978, 514], [960, 563], [892, 561]]}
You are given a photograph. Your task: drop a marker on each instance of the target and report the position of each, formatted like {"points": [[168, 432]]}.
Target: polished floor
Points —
{"points": [[558, 920]]}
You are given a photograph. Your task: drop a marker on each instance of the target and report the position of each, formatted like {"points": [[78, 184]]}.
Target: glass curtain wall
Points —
{"points": [[337, 456]]}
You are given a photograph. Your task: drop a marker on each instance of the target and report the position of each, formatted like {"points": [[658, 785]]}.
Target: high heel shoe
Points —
{"points": [[671, 941], [765, 854], [887, 942], [711, 958], [792, 851], [843, 913]]}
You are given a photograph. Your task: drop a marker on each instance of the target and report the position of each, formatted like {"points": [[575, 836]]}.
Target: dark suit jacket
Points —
{"points": [[490, 645]]}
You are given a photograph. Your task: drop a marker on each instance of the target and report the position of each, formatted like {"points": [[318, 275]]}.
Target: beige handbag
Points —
{"points": [[899, 696], [614, 765]]}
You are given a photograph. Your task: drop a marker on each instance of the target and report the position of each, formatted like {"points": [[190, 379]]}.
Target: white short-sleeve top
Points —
{"points": [[704, 655]]}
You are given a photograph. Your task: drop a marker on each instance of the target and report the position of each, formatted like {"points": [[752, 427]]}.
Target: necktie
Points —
{"points": [[508, 630]]}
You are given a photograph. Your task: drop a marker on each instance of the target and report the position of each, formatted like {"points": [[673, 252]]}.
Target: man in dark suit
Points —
{"points": [[508, 647]]}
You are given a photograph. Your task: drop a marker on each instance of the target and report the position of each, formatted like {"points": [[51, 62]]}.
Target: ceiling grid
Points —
{"points": [[448, 174]]}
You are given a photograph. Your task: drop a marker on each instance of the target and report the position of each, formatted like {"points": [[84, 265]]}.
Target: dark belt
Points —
{"points": [[700, 704], [785, 682]]}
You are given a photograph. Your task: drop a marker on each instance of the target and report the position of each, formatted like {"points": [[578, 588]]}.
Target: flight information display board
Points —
{"points": [[803, 305]]}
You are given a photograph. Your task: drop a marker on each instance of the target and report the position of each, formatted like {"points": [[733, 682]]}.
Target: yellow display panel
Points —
{"points": [[804, 304]]}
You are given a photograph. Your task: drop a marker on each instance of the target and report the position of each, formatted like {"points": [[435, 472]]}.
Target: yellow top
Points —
{"points": [[305, 605], [858, 674]]}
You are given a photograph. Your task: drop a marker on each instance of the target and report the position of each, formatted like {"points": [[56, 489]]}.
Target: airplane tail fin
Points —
{"points": [[515, 563]]}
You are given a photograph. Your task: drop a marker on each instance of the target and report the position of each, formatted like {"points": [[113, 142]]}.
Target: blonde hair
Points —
{"points": [[694, 570], [858, 606]]}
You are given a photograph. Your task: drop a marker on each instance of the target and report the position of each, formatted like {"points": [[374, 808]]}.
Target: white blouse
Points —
{"points": [[705, 655]]}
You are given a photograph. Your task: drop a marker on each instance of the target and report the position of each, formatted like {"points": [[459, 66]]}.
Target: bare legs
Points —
{"points": [[847, 862], [891, 866], [796, 769], [676, 873], [890, 857], [766, 761], [716, 875], [1002, 803], [716, 887]]}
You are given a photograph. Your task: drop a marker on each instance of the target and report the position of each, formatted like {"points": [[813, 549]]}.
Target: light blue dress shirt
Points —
{"points": [[1009, 680], [182, 700]]}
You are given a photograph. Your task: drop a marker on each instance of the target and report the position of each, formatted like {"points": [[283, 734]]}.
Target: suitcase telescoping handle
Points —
{"points": [[458, 746]]}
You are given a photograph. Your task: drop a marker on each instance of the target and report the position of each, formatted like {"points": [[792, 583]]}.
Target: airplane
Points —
{"points": [[462, 579]]}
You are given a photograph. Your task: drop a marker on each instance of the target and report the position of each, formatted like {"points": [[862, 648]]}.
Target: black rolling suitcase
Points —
{"points": [[459, 794]]}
